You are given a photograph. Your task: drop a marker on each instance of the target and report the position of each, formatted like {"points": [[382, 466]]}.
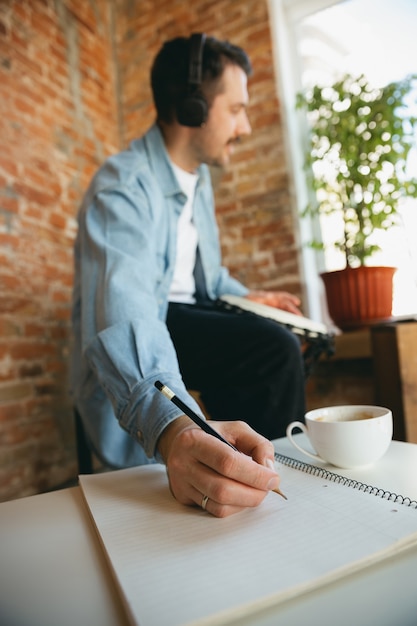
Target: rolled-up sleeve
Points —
{"points": [[128, 358]]}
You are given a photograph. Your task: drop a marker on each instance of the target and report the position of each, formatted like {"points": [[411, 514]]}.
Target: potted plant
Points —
{"points": [[356, 166]]}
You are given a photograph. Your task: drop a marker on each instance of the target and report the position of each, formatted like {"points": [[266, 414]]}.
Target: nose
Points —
{"points": [[244, 126]]}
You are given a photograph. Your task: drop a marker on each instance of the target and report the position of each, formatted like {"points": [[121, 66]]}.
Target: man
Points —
{"points": [[147, 275]]}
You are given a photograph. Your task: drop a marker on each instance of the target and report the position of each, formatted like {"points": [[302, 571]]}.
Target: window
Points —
{"points": [[316, 41]]}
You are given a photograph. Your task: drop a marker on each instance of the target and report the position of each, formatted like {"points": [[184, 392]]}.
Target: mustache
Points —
{"points": [[234, 140]]}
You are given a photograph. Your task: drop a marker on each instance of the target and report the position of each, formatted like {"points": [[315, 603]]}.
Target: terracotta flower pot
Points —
{"points": [[357, 297]]}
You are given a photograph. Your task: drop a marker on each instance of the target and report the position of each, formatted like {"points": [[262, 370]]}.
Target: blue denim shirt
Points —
{"points": [[124, 264]]}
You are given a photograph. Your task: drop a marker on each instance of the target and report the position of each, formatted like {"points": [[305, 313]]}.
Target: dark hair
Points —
{"points": [[169, 74]]}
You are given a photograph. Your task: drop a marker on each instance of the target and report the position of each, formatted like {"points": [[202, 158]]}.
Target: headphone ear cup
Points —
{"points": [[192, 111]]}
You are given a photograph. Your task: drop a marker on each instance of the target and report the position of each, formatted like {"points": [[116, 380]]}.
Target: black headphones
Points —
{"points": [[193, 109]]}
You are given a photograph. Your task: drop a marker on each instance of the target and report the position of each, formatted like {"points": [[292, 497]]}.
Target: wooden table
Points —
{"points": [[376, 365], [394, 353]]}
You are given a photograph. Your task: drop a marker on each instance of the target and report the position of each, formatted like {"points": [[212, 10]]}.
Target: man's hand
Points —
{"points": [[278, 299], [200, 465]]}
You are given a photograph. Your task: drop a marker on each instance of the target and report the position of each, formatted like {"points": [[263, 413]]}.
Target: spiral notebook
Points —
{"points": [[178, 565]]}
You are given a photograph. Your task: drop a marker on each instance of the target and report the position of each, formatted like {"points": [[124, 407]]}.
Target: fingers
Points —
{"points": [[223, 497], [287, 302], [220, 510], [290, 304], [200, 465], [278, 299], [246, 440], [210, 505], [243, 480]]}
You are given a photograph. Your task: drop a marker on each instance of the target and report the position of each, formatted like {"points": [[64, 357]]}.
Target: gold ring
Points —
{"points": [[204, 502]]}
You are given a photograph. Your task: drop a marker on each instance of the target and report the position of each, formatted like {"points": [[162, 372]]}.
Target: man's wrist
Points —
{"points": [[169, 434]]}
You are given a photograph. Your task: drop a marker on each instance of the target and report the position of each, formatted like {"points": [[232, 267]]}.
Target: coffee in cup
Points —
{"points": [[346, 436]]}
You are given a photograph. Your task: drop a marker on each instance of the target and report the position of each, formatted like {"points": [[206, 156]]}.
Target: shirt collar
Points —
{"points": [[161, 163]]}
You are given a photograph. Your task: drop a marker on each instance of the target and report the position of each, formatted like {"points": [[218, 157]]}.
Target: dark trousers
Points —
{"points": [[245, 367]]}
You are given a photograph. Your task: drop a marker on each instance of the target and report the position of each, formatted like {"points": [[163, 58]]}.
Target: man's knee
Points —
{"points": [[279, 338]]}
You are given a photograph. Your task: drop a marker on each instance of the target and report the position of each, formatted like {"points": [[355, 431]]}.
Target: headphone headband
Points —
{"points": [[193, 109], [195, 71]]}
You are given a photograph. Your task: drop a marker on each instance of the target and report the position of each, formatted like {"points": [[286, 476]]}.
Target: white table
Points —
{"points": [[53, 571]]}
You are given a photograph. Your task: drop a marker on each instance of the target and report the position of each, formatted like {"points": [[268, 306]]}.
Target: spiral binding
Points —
{"points": [[321, 472]]}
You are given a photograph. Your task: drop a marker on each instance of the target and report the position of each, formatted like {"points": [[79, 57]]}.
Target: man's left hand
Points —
{"points": [[278, 299]]}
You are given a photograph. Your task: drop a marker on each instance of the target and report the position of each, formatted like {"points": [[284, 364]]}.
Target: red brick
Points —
{"points": [[15, 391], [11, 205], [7, 164], [32, 194], [57, 220], [10, 241]]}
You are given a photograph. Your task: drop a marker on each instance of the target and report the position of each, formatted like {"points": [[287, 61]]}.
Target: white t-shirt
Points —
{"points": [[183, 283]]}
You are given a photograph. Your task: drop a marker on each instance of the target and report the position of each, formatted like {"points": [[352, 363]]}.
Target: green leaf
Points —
{"points": [[360, 138]]}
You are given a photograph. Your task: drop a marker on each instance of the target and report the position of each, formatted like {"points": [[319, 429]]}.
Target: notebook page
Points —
{"points": [[179, 565]]}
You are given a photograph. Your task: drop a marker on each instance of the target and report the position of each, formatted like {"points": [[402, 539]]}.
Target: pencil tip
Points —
{"points": [[279, 492]]}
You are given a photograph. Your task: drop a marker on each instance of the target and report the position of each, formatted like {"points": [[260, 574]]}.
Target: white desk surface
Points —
{"points": [[53, 571]]}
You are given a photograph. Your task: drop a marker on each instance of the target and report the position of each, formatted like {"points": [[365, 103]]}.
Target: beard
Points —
{"points": [[223, 159]]}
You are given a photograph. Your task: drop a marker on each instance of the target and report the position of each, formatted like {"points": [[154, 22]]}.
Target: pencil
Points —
{"points": [[168, 393]]}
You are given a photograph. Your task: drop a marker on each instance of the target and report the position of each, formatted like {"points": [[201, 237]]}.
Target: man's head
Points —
{"points": [[191, 67], [223, 69]]}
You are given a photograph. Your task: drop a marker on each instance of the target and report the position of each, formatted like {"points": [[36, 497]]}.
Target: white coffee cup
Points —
{"points": [[346, 436]]}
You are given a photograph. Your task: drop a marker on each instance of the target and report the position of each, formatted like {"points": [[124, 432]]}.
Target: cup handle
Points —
{"points": [[303, 427]]}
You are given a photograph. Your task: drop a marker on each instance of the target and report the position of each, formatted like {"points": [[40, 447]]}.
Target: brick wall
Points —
{"points": [[57, 123], [74, 87]]}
